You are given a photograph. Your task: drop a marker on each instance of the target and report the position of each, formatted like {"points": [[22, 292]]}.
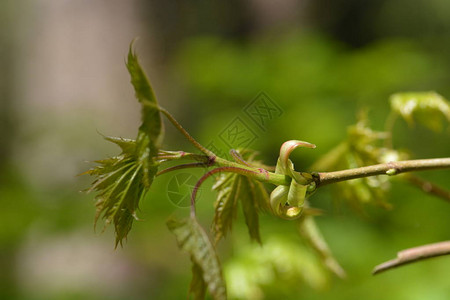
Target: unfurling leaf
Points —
{"points": [[122, 181], [363, 147], [192, 238], [120, 188], [228, 188], [428, 108], [151, 131], [151, 118], [232, 188], [198, 285], [287, 201], [249, 204]]}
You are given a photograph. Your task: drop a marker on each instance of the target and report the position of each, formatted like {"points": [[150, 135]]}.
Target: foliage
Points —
{"points": [[121, 181], [233, 188], [120, 187], [362, 147], [428, 108], [206, 267], [254, 269]]}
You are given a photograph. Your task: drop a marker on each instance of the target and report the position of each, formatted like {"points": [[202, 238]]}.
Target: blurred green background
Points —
{"points": [[63, 81]]}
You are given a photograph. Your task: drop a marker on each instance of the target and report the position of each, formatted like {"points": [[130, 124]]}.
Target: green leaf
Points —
{"points": [[193, 239], [281, 268], [226, 204], [233, 188], [151, 131], [260, 195], [428, 108], [119, 183], [151, 118], [250, 208], [363, 147], [127, 145], [198, 285]]}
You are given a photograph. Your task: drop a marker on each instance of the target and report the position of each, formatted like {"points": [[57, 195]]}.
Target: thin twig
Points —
{"points": [[183, 166], [429, 187], [237, 170], [390, 168], [185, 133], [238, 158], [414, 254]]}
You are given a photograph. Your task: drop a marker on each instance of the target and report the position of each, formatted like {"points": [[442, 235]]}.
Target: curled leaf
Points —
{"points": [[206, 270], [198, 285], [287, 202], [278, 198], [297, 194], [284, 165]]}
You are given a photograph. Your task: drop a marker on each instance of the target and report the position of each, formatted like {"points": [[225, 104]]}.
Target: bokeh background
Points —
{"points": [[63, 81]]}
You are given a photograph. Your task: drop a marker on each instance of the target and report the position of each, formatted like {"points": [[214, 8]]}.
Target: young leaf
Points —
{"points": [[231, 188], [226, 204], [122, 181], [120, 188], [428, 108], [151, 131], [363, 147], [198, 285], [192, 238], [151, 118], [250, 208], [260, 195], [287, 201], [127, 145]]}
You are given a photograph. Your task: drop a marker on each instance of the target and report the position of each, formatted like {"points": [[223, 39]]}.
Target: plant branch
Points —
{"points": [[256, 173], [238, 170], [182, 166], [321, 178], [207, 161], [390, 168], [429, 187], [414, 254], [182, 130], [165, 155]]}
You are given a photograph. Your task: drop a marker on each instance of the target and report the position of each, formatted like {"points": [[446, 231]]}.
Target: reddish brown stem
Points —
{"points": [[429, 187], [183, 166], [390, 168], [210, 173], [414, 254]]}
